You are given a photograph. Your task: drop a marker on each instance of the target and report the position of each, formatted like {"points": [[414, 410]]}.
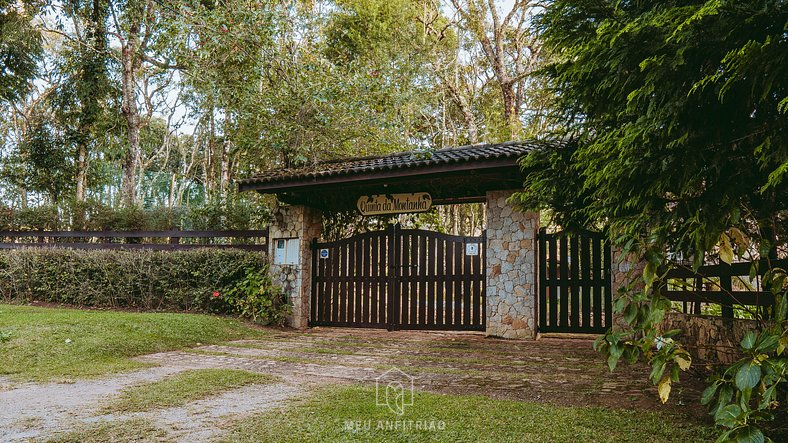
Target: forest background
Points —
{"points": [[130, 114]]}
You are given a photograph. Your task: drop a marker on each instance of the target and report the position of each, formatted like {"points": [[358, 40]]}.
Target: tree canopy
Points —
{"points": [[674, 116], [20, 48]]}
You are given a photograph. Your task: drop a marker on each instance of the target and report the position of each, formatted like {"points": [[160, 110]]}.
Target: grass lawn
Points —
{"points": [[60, 344], [126, 431], [183, 388], [325, 416]]}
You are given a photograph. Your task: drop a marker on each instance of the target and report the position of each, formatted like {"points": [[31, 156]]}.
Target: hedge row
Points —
{"points": [[194, 280]]}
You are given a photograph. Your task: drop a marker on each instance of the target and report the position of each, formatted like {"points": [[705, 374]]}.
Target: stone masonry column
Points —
{"points": [[511, 268], [302, 223]]}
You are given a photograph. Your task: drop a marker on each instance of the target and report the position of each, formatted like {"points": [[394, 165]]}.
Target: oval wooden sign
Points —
{"points": [[394, 203]]}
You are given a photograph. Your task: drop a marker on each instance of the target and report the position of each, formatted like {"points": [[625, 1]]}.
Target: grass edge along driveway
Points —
{"points": [[61, 344], [350, 413]]}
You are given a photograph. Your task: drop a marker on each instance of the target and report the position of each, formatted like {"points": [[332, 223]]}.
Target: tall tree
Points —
{"points": [[137, 27], [510, 46], [83, 98]]}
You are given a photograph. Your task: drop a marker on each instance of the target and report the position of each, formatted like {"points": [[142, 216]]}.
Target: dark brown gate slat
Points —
{"points": [[422, 271], [393, 299], [552, 287], [315, 272], [598, 288], [440, 289], [357, 282], [347, 271], [432, 281], [574, 283], [466, 289], [364, 283], [448, 307], [413, 272], [562, 285], [374, 286], [334, 256], [585, 268], [458, 295], [324, 284]]}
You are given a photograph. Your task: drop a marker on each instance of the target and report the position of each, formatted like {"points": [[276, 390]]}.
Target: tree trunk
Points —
{"points": [[82, 173], [510, 112], [130, 62], [171, 196], [224, 177]]}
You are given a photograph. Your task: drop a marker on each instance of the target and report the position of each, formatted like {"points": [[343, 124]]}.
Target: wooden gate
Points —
{"points": [[574, 283], [400, 279]]}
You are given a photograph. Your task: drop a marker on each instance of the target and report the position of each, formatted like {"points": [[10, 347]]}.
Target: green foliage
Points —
{"points": [[92, 215], [257, 298], [744, 397], [20, 48], [180, 280], [674, 119], [41, 162], [751, 391]]}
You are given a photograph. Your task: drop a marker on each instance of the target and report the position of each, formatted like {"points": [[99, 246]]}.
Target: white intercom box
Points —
{"points": [[286, 251]]}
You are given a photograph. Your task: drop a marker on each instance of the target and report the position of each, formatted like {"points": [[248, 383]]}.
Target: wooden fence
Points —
{"points": [[723, 289], [172, 240]]}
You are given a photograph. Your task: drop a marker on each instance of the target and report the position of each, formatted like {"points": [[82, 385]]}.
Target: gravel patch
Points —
{"points": [[53, 407]]}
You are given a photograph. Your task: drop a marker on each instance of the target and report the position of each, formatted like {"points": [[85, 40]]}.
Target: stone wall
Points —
{"points": [[710, 340], [622, 269], [511, 268], [303, 223]]}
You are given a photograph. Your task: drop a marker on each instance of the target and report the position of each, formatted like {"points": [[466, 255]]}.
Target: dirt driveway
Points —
{"points": [[552, 370]]}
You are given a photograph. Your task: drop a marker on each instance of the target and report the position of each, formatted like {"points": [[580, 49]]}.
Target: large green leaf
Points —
{"points": [[748, 376], [728, 416], [768, 344], [748, 341], [749, 434], [708, 394]]}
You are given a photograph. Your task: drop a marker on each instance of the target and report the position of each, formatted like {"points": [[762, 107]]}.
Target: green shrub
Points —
{"points": [[257, 298], [195, 280]]}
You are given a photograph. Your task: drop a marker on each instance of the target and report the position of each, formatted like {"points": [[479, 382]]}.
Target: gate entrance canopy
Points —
{"points": [[487, 283], [455, 175]]}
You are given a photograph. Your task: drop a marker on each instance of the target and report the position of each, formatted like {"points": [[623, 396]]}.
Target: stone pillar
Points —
{"points": [[303, 223], [511, 268]]}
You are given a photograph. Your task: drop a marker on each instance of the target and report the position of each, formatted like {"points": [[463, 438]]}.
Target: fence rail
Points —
{"points": [[250, 240], [727, 288]]}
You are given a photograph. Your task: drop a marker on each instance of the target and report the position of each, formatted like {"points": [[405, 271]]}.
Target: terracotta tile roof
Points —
{"points": [[404, 160]]}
